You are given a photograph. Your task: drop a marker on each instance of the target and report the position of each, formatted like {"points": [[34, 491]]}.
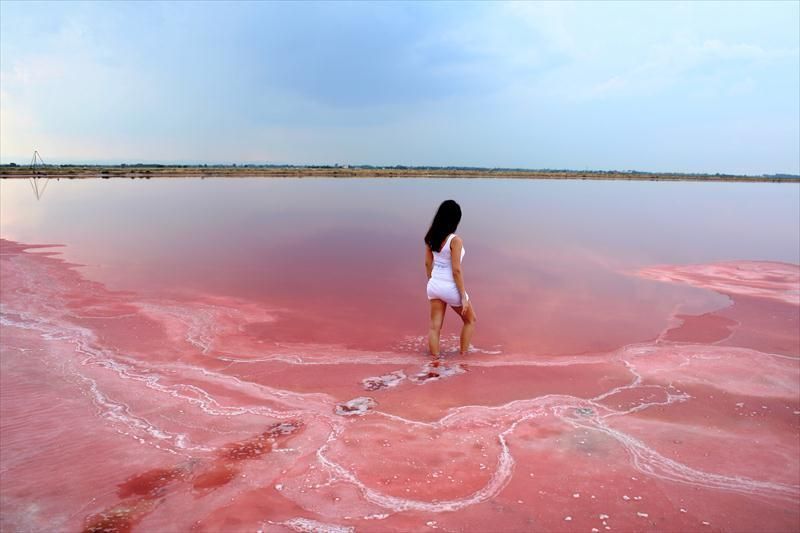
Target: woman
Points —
{"points": [[444, 251]]}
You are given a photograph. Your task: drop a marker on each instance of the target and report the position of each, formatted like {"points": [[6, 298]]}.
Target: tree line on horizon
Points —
{"points": [[391, 167]]}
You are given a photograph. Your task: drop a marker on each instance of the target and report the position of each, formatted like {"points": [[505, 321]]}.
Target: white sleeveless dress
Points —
{"points": [[442, 285]]}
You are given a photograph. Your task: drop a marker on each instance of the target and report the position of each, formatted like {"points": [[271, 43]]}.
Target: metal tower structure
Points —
{"points": [[37, 166]]}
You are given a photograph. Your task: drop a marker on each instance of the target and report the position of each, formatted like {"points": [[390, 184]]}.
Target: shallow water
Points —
{"points": [[249, 354]]}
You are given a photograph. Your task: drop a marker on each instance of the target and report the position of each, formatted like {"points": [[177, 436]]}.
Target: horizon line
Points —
{"points": [[194, 164]]}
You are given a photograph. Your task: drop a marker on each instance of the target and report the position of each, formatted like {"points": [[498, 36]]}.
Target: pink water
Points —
{"points": [[245, 355]]}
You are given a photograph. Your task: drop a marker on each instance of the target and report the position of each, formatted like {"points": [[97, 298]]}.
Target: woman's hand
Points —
{"points": [[464, 305]]}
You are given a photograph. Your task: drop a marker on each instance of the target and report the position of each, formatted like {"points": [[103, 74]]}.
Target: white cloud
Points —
{"points": [[550, 20], [742, 87], [509, 42], [719, 49], [16, 129], [675, 61]]}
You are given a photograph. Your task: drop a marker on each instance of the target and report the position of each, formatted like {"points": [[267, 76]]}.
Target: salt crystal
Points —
{"points": [[595, 530], [603, 516], [643, 515], [626, 497], [567, 518], [705, 523], [576, 495], [683, 510], [357, 406], [279, 486]]}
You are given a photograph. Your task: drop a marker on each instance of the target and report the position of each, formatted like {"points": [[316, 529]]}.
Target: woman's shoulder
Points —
{"points": [[456, 240]]}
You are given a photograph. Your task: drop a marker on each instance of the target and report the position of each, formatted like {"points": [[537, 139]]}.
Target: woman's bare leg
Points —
{"points": [[438, 307], [468, 329]]}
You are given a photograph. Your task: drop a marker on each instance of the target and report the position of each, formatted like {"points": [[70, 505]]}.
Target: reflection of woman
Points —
{"points": [[443, 253]]}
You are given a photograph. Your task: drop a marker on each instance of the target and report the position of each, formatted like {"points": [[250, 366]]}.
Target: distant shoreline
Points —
{"points": [[180, 171]]}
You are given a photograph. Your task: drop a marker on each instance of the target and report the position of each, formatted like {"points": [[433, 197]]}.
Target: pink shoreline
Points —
{"points": [[762, 279]]}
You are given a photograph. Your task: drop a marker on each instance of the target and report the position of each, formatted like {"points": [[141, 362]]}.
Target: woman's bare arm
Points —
{"points": [[428, 261], [458, 275]]}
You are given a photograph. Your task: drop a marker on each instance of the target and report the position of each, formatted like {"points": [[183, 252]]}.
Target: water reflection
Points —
{"points": [[37, 166], [343, 259], [38, 191]]}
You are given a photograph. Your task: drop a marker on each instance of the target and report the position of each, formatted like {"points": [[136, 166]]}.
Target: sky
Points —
{"points": [[685, 87]]}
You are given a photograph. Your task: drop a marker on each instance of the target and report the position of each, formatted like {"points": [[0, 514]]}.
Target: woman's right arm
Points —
{"points": [[428, 261], [458, 274]]}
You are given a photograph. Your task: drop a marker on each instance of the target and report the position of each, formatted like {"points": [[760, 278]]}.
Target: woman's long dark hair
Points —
{"points": [[444, 223]]}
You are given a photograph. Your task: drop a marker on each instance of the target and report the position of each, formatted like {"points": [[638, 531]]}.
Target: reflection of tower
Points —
{"points": [[37, 173]]}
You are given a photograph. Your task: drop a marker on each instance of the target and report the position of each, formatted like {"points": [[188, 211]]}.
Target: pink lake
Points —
{"points": [[250, 355]]}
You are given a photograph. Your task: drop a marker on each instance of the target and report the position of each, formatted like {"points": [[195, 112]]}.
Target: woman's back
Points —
{"points": [[443, 263]]}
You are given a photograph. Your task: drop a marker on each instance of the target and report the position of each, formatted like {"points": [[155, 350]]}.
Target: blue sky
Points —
{"points": [[690, 87]]}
